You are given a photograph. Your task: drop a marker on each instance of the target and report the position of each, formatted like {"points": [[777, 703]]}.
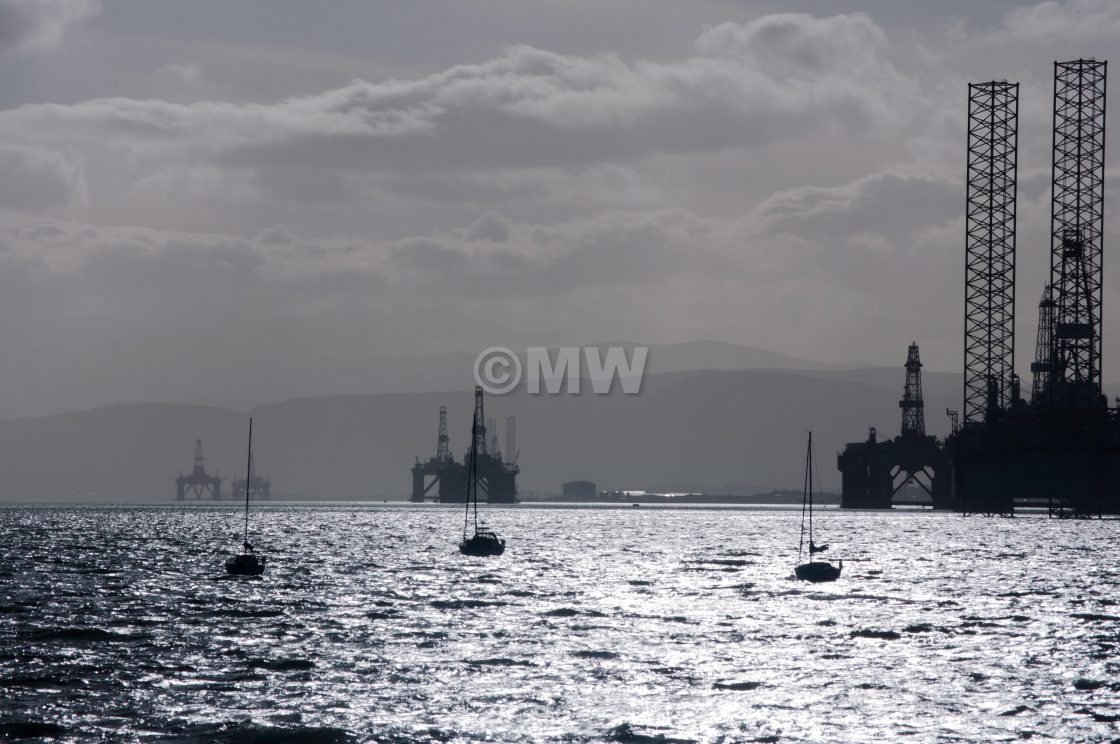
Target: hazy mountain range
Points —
{"points": [[739, 429]]}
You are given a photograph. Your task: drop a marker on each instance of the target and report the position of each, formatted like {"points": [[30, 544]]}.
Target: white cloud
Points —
{"points": [[1072, 20]]}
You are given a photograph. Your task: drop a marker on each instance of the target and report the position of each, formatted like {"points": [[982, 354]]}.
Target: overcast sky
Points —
{"points": [[190, 189]]}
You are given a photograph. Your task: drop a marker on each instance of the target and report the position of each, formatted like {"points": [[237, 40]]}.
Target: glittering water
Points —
{"points": [[597, 624]]}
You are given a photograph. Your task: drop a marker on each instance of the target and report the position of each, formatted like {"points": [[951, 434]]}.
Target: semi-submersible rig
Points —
{"points": [[1061, 449], [442, 479]]}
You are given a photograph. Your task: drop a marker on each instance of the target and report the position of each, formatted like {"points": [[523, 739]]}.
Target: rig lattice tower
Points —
{"points": [[912, 405], [1077, 221], [511, 440], [989, 319], [443, 441], [1043, 364]]}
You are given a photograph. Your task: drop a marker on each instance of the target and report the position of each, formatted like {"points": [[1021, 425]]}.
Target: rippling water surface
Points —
{"points": [[637, 625]]}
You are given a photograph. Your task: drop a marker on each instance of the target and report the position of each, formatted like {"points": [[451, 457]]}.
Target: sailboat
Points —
{"points": [[813, 570], [484, 542], [247, 563]]}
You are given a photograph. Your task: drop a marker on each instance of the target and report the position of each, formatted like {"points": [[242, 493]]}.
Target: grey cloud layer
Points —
{"points": [[535, 198], [29, 24], [779, 77]]}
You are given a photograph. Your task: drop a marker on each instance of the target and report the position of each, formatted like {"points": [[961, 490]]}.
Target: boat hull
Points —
{"points": [[817, 571], [245, 564], [483, 546]]}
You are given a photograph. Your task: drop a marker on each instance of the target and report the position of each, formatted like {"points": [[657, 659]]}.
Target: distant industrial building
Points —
{"points": [[579, 489]]}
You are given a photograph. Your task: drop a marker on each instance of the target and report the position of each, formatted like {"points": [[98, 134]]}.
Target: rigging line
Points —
{"points": [[817, 470]]}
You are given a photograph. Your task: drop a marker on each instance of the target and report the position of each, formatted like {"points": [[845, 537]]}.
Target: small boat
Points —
{"points": [[815, 571], [247, 563], [484, 542]]}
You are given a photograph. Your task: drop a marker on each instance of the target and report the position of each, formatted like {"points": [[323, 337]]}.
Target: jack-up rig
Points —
{"points": [[441, 478], [1060, 450], [198, 482]]}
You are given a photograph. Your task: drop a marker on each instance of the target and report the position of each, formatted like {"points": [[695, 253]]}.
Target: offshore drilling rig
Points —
{"points": [[442, 479], [1062, 449], [259, 487], [198, 481], [878, 474]]}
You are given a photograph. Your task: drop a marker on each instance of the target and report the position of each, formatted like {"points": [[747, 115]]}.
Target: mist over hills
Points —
{"points": [[720, 431], [65, 388]]}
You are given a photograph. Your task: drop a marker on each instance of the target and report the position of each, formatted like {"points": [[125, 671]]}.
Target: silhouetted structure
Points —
{"points": [[198, 482], [579, 489], [989, 299], [874, 473], [1042, 366], [443, 479], [259, 487], [1076, 227], [429, 474], [1063, 450], [511, 440], [443, 441]]}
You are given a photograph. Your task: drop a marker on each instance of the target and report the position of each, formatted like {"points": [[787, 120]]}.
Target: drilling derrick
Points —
{"points": [[989, 319], [492, 427], [913, 408], [479, 439], [443, 442], [1077, 219], [1042, 366], [198, 482], [511, 441]]}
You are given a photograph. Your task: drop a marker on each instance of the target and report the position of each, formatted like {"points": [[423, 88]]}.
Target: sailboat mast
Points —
{"points": [[804, 504], [474, 487], [809, 466], [248, 478], [467, 500]]}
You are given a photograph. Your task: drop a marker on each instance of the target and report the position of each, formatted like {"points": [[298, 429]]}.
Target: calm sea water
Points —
{"points": [[639, 625]]}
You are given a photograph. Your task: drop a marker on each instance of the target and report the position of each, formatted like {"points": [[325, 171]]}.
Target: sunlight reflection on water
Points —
{"points": [[368, 625]]}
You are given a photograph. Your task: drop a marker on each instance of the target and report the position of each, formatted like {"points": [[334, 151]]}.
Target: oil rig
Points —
{"points": [[259, 487], [198, 482], [878, 474], [1061, 449], [441, 478]]}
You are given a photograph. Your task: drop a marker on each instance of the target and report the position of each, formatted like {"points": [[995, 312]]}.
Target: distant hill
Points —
{"points": [[735, 431], [65, 388]]}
